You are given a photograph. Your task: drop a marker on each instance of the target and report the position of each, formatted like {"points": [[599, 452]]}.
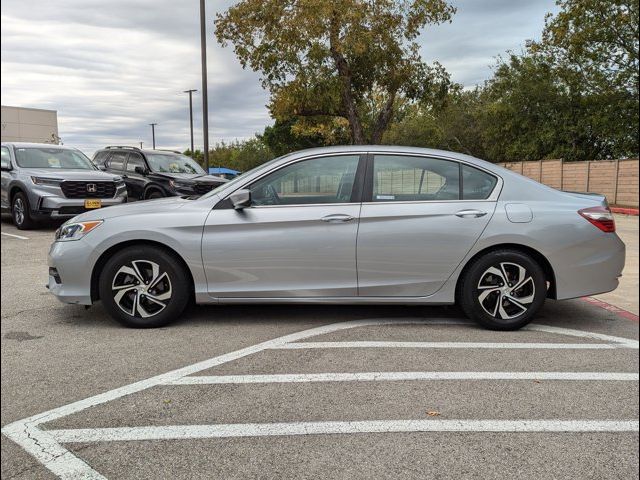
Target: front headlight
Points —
{"points": [[75, 231], [50, 182], [178, 185]]}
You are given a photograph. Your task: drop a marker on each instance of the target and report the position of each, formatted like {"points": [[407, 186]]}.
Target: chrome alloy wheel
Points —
{"points": [[140, 289], [506, 290], [18, 211]]}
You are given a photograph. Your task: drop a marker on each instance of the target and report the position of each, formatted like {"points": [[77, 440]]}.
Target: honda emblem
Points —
{"points": [[92, 188]]}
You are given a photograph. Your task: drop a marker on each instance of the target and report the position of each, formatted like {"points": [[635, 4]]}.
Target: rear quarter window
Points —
{"points": [[476, 184]]}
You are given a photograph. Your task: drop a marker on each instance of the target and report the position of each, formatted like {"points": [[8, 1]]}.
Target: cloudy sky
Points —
{"points": [[112, 67]]}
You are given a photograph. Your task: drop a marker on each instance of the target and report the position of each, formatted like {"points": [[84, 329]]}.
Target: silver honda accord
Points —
{"points": [[345, 225]]}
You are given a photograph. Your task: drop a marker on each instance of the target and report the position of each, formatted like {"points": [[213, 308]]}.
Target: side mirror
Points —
{"points": [[102, 167], [6, 168], [240, 199], [140, 170]]}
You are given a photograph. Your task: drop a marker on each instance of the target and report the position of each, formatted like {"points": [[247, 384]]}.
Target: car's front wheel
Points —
{"points": [[21, 212], [503, 290], [144, 287]]}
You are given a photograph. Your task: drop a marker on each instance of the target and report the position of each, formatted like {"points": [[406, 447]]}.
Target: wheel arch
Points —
{"points": [[153, 187], [104, 257], [13, 190], [532, 252]]}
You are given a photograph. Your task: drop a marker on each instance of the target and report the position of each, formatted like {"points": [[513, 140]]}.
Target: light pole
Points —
{"points": [[190, 92], [205, 99], [140, 145], [153, 134]]}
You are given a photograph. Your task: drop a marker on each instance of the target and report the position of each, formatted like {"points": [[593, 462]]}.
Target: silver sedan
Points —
{"points": [[346, 225]]}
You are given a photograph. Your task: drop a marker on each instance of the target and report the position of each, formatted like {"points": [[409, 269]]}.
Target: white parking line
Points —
{"points": [[45, 445], [403, 376], [15, 236], [510, 345], [174, 432]]}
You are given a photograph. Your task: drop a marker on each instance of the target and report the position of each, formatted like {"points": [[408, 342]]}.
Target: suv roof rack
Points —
{"points": [[121, 146], [169, 150]]}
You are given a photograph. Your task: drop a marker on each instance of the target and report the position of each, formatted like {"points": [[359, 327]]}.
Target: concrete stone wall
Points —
{"points": [[29, 125], [617, 179]]}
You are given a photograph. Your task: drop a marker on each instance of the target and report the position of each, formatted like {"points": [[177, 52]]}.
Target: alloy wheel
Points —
{"points": [[506, 290], [141, 289], [18, 211]]}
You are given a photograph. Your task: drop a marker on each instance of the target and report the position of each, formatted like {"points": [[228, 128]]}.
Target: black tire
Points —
{"points": [[179, 287], [489, 302], [154, 194], [21, 212]]}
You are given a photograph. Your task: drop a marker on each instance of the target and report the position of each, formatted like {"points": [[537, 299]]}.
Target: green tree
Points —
{"points": [[351, 59]]}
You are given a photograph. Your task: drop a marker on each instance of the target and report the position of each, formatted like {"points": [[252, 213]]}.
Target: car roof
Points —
{"points": [[139, 150]]}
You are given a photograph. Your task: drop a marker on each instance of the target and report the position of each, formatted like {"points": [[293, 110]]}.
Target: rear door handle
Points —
{"points": [[470, 213], [337, 218]]}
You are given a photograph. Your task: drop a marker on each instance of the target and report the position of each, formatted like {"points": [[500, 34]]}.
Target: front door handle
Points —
{"points": [[337, 218], [470, 213]]}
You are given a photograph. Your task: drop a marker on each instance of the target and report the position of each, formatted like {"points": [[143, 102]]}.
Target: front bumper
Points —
{"points": [[60, 207], [73, 262]]}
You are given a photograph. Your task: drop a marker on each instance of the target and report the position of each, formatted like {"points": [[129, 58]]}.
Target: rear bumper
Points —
{"points": [[590, 269]]}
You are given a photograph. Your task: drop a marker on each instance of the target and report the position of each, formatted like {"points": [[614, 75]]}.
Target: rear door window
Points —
{"points": [[403, 178], [134, 161], [116, 160]]}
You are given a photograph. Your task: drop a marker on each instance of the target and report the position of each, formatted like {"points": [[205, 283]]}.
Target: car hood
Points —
{"points": [[76, 175], [135, 208], [196, 177]]}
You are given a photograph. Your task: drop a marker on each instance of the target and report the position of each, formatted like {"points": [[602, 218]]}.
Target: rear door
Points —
{"points": [[420, 217]]}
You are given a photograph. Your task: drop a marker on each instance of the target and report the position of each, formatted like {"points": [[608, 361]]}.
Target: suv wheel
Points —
{"points": [[144, 287], [21, 212], [503, 290], [154, 194]]}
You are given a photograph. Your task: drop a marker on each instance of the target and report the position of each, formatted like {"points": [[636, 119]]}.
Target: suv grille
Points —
{"points": [[202, 188], [88, 189]]}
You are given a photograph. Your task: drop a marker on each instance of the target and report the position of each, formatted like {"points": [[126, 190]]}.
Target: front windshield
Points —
{"points": [[173, 163], [53, 158], [241, 177]]}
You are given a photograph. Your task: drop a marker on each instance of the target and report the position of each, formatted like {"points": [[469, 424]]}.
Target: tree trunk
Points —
{"points": [[384, 117], [344, 72]]}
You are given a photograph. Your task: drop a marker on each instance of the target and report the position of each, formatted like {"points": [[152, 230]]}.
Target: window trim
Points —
{"points": [[368, 196], [11, 165], [356, 193]]}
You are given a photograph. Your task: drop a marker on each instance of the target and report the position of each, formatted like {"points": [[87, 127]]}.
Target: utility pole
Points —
{"points": [[140, 145], [190, 92], [205, 99], [153, 134]]}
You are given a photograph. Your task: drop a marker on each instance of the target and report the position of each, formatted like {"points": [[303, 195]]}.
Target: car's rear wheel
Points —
{"points": [[21, 212], [503, 290], [144, 287]]}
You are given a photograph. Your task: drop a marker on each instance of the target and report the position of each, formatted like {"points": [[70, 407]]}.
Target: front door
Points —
{"points": [[298, 238], [135, 181], [420, 218]]}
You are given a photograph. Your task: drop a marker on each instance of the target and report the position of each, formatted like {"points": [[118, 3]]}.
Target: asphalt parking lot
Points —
{"points": [[312, 392]]}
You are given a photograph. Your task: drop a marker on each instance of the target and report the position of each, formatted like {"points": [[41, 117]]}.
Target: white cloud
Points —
{"points": [[111, 68]]}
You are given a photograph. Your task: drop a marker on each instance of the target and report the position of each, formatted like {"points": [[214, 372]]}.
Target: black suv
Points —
{"points": [[156, 173]]}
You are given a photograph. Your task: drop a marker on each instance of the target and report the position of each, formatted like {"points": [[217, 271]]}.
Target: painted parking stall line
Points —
{"points": [[449, 345], [182, 432], [403, 376], [47, 445], [20, 237]]}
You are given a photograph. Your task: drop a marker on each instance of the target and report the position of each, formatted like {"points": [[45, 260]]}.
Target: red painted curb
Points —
{"points": [[611, 308], [625, 211]]}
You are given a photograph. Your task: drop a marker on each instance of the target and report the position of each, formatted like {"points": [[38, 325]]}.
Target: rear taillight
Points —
{"points": [[601, 217]]}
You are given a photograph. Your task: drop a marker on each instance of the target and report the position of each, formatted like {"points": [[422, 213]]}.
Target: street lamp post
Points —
{"points": [[190, 92], [205, 99], [153, 134]]}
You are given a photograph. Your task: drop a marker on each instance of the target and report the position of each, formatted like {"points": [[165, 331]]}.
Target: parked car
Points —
{"points": [[156, 173], [41, 181], [355, 224]]}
